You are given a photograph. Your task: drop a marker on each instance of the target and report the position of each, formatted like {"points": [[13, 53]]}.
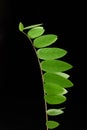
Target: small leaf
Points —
{"points": [[57, 79], [52, 124], [55, 66], [35, 32], [63, 74], [54, 89], [21, 26], [54, 112], [51, 53], [45, 40], [54, 99], [32, 26]]}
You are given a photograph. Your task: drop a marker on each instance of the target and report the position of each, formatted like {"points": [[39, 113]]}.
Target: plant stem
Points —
{"points": [[42, 80], [46, 113]]}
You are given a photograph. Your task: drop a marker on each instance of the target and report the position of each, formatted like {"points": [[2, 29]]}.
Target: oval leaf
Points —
{"points": [[45, 40], [32, 26], [55, 66], [54, 89], [21, 26], [51, 53], [57, 79], [52, 124], [63, 74], [54, 99], [35, 32], [54, 112]]}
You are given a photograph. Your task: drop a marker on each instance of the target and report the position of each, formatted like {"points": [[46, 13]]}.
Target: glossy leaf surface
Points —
{"points": [[44, 40], [51, 53], [55, 66], [35, 32], [21, 26], [54, 112], [54, 89], [57, 79], [32, 26], [63, 74], [55, 99], [52, 124]]}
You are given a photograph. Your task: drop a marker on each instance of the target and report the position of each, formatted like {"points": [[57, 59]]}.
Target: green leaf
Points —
{"points": [[55, 66], [54, 89], [51, 53], [54, 99], [35, 32], [54, 112], [57, 79], [21, 26], [45, 40], [32, 26], [52, 124], [63, 74]]}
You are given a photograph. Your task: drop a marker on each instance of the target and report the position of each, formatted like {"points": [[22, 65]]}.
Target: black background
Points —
{"points": [[66, 19]]}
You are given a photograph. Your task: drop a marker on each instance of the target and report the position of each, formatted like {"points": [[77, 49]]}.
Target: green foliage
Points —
{"points": [[55, 99], [63, 74], [52, 124], [31, 26], [54, 89], [55, 80], [51, 53], [35, 32], [44, 40], [21, 26], [54, 112], [53, 66]]}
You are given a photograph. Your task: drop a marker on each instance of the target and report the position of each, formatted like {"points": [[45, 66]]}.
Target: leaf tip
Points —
{"points": [[21, 26]]}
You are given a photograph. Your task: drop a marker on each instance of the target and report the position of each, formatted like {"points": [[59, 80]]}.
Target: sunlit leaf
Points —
{"points": [[55, 99], [51, 53], [21, 26], [32, 26], [55, 66], [35, 32], [52, 124], [57, 79], [45, 40], [54, 89], [63, 74], [54, 112]]}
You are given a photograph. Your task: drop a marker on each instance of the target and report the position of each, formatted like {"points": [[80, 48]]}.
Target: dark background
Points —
{"points": [[66, 19]]}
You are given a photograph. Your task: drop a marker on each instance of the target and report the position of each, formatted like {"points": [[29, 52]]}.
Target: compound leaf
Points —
{"points": [[54, 79]]}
